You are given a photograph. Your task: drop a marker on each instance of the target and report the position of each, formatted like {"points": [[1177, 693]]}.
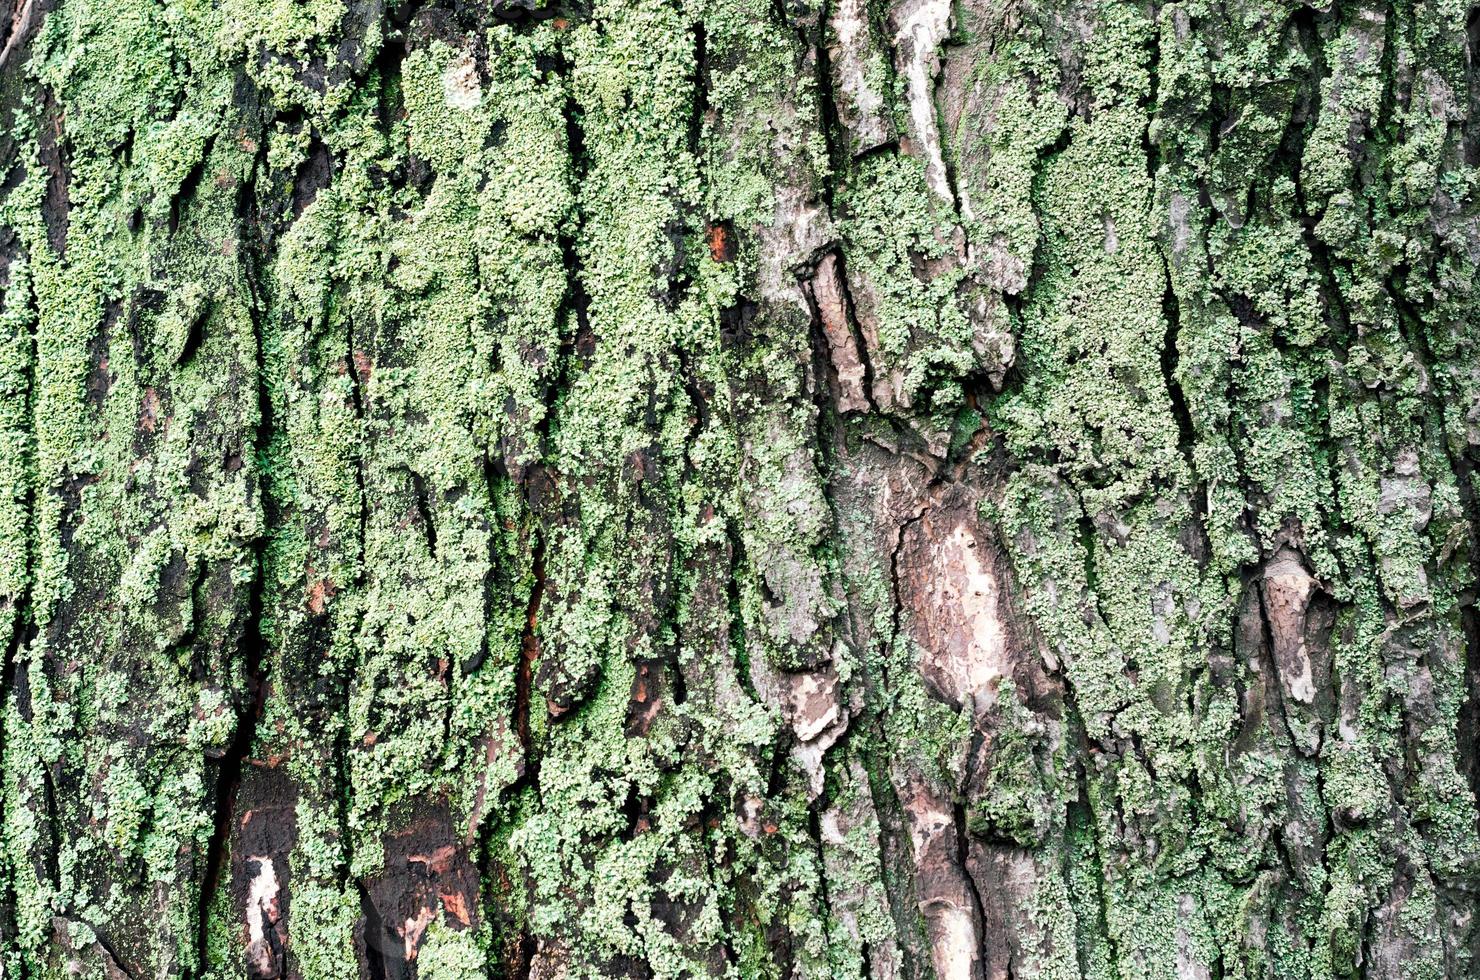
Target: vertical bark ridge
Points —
{"points": [[17, 504]]}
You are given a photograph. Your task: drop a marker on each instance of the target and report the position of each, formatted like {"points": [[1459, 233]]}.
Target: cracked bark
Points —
{"points": [[885, 488]]}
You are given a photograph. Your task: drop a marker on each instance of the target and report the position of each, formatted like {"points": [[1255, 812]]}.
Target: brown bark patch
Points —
{"points": [[831, 297], [721, 242], [427, 872], [264, 836], [958, 614]]}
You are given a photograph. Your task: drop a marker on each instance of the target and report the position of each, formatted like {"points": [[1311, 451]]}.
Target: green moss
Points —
{"points": [[1013, 802], [448, 954]]}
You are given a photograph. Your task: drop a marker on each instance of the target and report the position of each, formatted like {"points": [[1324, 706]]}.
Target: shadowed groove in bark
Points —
{"points": [[17, 624], [236, 756], [530, 655]]}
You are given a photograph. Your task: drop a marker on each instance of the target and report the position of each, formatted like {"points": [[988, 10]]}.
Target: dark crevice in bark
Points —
{"points": [[50, 860], [424, 510], [1384, 127], [357, 403], [1292, 149], [1081, 819], [828, 431], [899, 889], [195, 335], [110, 951], [700, 83], [1170, 356], [827, 107], [343, 745], [252, 645], [959, 827], [524, 962], [1468, 734], [814, 836], [780, 18], [577, 302], [675, 673], [1171, 310], [1087, 541], [1472, 72], [883, 149], [56, 206], [18, 609], [856, 331], [370, 928], [519, 11], [181, 199], [539, 484], [739, 649], [897, 613], [948, 162], [237, 755], [689, 378], [314, 174], [529, 655], [1015, 377], [1150, 147]]}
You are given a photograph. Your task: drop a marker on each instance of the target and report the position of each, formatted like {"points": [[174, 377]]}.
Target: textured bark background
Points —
{"points": [[755, 488]]}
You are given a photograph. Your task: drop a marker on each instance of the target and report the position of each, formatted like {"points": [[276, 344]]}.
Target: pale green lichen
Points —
{"points": [[423, 343]]}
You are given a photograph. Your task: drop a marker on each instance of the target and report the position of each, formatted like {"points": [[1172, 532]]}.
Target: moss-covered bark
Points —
{"points": [[662, 488]]}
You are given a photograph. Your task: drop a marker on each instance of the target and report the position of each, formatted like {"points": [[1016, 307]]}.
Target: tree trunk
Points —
{"points": [[758, 488]]}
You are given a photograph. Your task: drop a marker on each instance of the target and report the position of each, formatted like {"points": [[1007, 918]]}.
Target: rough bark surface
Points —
{"points": [[971, 489]]}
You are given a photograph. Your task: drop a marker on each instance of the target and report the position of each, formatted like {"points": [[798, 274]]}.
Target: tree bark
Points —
{"points": [[972, 489]]}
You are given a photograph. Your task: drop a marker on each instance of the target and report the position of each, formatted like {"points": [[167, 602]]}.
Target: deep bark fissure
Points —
{"points": [[237, 756], [897, 611], [963, 861], [1468, 735], [529, 655], [56, 208], [371, 955], [16, 614], [1471, 143]]}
